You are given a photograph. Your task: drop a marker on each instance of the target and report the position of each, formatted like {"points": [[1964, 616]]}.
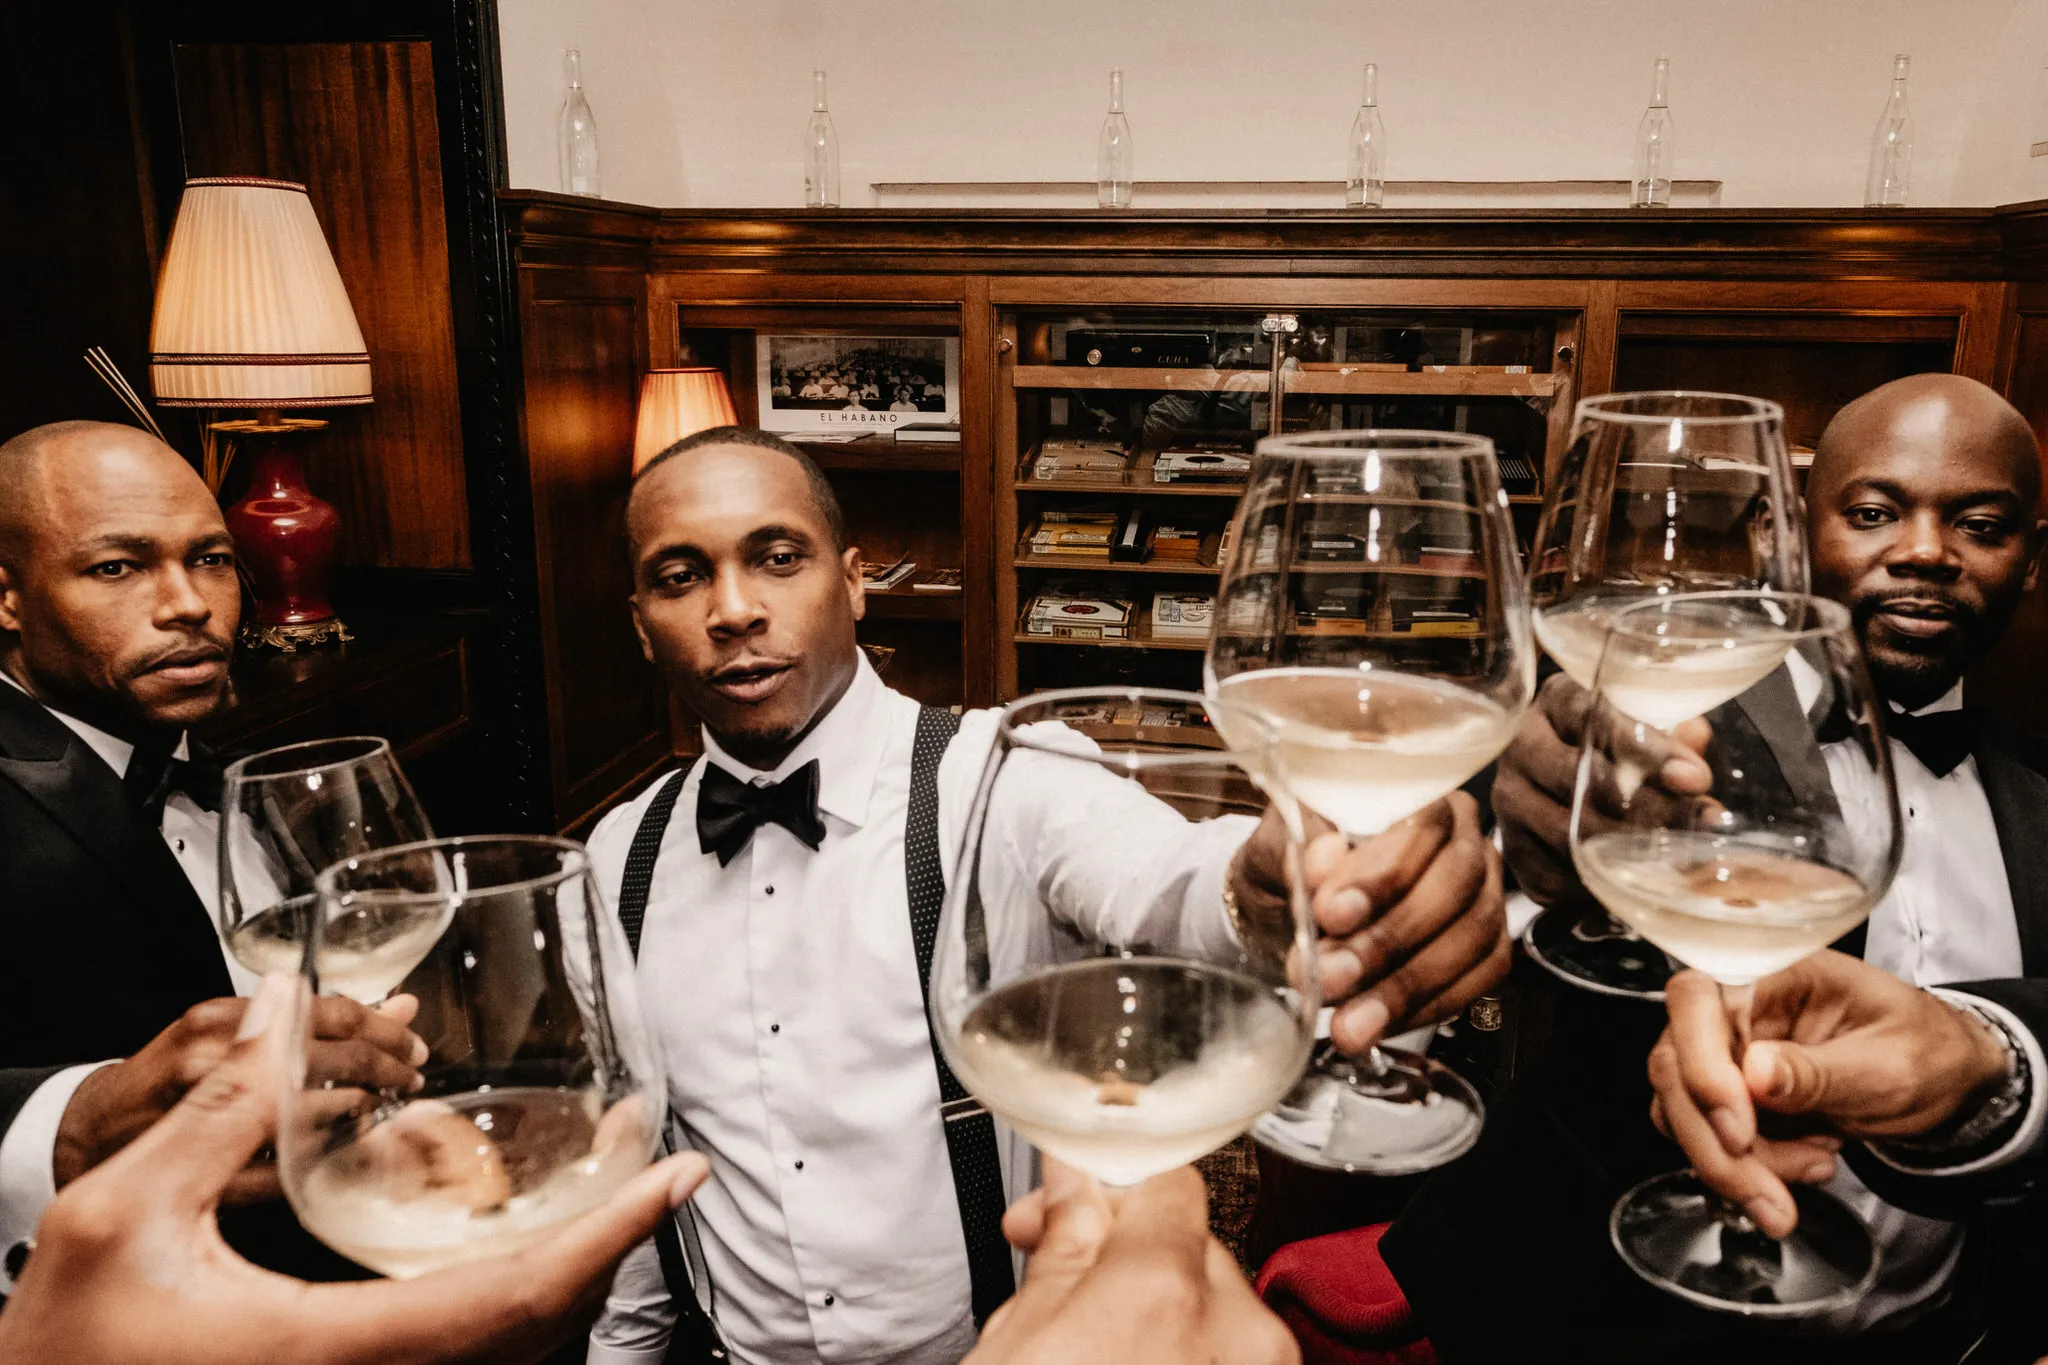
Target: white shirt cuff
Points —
{"points": [[28, 1178], [623, 1355], [2028, 1133], [1522, 912]]}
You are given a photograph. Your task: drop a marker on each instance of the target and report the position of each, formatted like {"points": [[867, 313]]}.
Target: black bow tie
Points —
{"points": [[729, 810], [1939, 739], [153, 774]]}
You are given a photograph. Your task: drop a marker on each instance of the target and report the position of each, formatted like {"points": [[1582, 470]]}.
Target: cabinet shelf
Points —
{"points": [[1424, 383], [1229, 492], [1144, 639], [1084, 564], [1364, 567], [1251, 382]]}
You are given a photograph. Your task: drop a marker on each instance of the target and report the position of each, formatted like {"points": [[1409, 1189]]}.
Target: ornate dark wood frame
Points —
{"points": [[512, 700]]}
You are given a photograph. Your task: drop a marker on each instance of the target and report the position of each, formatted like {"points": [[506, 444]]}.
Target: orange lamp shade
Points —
{"points": [[250, 309], [679, 403]]}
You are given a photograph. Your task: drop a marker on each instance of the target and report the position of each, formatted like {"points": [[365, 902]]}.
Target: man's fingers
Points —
{"points": [[1074, 1222], [1787, 1077], [195, 1151], [1380, 870], [256, 1183], [337, 1018], [1024, 1222], [1742, 1178], [509, 1307], [355, 1062], [1702, 1058]]}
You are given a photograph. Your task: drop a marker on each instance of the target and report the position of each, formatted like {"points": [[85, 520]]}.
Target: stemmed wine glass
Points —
{"points": [[1136, 1000], [285, 815], [1792, 844], [1658, 493], [1373, 610], [542, 1087]]}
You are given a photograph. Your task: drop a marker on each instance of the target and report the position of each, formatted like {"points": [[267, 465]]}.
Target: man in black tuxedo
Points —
{"points": [[118, 606], [1923, 514]]}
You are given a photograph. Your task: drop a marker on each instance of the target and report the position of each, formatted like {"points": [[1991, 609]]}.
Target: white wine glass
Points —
{"points": [[1140, 1002], [1658, 492], [1374, 610], [542, 1086], [1791, 845], [285, 815]]}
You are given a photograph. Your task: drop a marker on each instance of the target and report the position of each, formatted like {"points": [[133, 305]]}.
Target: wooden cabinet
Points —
{"points": [[1808, 307]]}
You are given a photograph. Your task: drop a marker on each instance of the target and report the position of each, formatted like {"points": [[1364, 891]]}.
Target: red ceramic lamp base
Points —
{"points": [[285, 537]]}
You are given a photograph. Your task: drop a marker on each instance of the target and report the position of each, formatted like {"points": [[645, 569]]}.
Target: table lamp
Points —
{"points": [[251, 314], [679, 403]]}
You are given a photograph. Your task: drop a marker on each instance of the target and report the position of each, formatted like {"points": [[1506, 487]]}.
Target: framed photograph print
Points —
{"points": [[849, 385]]}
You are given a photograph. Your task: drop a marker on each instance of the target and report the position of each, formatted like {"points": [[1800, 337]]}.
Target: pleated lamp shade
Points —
{"points": [[679, 403], [250, 309]]}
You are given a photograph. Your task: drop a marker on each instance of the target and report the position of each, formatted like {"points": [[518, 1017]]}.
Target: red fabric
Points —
{"points": [[1343, 1305]]}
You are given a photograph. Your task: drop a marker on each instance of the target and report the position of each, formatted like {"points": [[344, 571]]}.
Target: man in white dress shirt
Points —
{"points": [[1923, 513], [118, 607], [779, 958]]}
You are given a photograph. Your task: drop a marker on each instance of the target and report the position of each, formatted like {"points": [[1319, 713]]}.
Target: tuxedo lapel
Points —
{"points": [[2018, 795], [84, 798]]}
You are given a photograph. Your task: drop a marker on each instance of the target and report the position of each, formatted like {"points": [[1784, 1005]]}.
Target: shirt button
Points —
{"points": [[828, 1300], [799, 1165], [767, 890], [178, 844], [775, 1028]]}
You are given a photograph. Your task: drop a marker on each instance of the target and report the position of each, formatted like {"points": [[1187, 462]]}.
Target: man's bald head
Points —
{"points": [[118, 593], [1923, 506]]}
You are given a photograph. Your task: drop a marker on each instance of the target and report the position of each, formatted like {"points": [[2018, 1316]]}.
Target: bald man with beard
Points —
{"points": [[118, 606], [1923, 513]]}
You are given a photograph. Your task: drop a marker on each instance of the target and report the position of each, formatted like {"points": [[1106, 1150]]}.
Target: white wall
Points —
{"points": [[703, 102]]}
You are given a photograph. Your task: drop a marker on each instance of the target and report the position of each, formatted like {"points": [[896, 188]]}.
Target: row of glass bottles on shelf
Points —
{"points": [[1891, 148]]}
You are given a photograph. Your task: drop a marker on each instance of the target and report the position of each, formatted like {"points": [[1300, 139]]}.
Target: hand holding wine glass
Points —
{"points": [[287, 814], [1125, 1013], [1658, 493], [540, 1093], [1792, 844], [1373, 612], [130, 1266], [1831, 1038]]}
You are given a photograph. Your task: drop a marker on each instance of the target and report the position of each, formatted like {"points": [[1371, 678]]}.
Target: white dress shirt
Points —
{"points": [[27, 1179], [784, 987]]}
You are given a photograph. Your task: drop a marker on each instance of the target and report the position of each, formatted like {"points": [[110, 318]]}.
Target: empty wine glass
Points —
{"points": [[1789, 848], [285, 815], [1659, 492], [542, 1086], [1127, 992], [1373, 611]]}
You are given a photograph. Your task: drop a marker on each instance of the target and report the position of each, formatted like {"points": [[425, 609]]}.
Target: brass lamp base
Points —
{"points": [[292, 638]]}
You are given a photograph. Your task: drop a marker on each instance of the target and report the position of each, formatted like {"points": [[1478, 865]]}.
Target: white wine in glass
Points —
{"points": [[1373, 612], [542, 1087], [288, 813], [1125, 1056], [1740, 881], [1658, 492]]}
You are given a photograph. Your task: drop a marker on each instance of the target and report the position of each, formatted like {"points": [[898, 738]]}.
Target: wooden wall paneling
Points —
{"points": [[583, 340], [1567, 356], [357, 124], [1003, 456], [1982, 333], [79, 234], [1266, 292], [2008, 681], [982, 458]]}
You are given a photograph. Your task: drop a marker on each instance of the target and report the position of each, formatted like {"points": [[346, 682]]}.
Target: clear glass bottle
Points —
{"points": [[821, 152], [1113, 152], [1891, 147], [1367, 186], [1652, 188], [576, 133]]}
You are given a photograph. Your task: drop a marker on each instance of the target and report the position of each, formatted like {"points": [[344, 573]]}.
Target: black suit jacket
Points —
{"points": [[1505, 1254], [105, 942]]}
